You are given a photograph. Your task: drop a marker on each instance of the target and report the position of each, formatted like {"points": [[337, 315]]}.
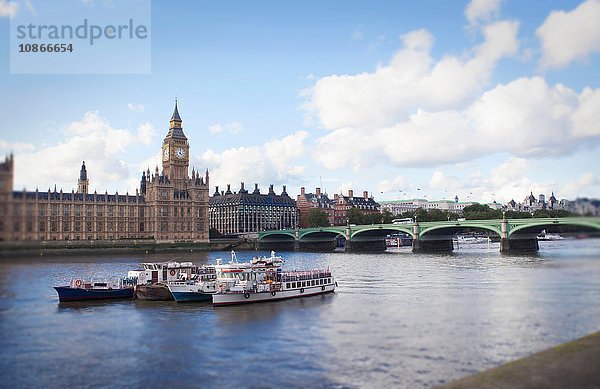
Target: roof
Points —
{"points": [[104, 198], [252, 199], [175, 115], [321, 200]]}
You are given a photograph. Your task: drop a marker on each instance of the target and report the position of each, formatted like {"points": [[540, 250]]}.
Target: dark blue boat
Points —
{"points": [[81, 291]]}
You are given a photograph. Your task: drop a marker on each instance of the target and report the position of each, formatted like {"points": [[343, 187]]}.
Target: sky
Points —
{"points": [[487, 100]]}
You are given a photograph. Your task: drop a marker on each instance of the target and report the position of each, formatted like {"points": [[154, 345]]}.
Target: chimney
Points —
{"points": [[365, 194], [241, 186], [350, 193], [302, 191], [318, 191], [335, 196]]}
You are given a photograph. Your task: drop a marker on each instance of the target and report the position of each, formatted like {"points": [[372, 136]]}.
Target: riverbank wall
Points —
{"points": [[570, 365], [147, 246]]}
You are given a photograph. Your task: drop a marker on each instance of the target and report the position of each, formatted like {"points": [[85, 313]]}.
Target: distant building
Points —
{"points": [[169, 206], [531, 204], [307, 201], [341, 204], [398, 207], [586, 207], [243, 212]]}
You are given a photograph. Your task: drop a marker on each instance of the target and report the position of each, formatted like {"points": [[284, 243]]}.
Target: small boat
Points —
{"points": [[153, 292], [152, 280], [252, 284], [199, 288], [549, 236], [81, 290]]}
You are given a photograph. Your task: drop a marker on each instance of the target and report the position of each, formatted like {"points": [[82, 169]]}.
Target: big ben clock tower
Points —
{"points": [[175, 153]]}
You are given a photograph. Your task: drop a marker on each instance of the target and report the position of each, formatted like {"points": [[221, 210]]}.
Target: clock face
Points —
{"points": [[166, 153], [179, 152]]}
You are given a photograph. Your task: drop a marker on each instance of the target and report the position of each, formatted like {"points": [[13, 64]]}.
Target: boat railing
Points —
{"points": [[305, 275]]}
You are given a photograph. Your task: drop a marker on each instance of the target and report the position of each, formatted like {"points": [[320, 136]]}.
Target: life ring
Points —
{"points": [[173, 273], [323, 287], [273, 294], [77, 283], [301, 290], [246, 295]]}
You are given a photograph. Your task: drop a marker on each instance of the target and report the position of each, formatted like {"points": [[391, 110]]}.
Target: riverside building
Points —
{"points": [[169, 206], [244, 212]]}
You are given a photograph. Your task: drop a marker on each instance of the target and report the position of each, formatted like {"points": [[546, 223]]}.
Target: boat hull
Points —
{"points": [[66, 293], [191, 297], [154, 292], [222, 299]]}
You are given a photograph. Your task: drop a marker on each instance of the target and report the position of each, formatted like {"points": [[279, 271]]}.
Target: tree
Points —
{"points": [[387, 217], [481, 212], [318, 218], [355, 216]]}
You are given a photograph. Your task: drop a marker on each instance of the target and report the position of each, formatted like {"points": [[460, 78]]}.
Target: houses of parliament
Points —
{"points": [[169, 206]]}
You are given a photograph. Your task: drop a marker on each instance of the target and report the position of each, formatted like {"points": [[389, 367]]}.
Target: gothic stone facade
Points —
{"points": [[170, 206]]}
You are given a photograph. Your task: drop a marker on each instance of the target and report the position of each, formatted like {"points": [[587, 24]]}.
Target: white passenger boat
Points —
{"points": [[203, 283], [267, 282]]}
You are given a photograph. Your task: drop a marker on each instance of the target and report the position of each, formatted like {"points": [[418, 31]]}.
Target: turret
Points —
{"points": [[83, 183], [143, 184]]}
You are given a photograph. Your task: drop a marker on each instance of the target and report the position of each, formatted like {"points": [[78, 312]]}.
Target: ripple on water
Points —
{"points": [[397, 319]]}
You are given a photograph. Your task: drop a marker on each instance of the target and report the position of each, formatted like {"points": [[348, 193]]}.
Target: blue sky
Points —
{"points": [[487, 100]]}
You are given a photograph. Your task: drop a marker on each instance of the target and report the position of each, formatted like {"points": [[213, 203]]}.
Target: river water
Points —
{"points": [[396, 319]]}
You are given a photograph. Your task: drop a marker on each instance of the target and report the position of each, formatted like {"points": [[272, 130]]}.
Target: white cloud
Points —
{"points": [[586, 119], [357, 34], [568, 36], [15, 147], [394, 185], [440, 180], [411, 81], [576, 187], [508, 180], [133, 107], [276, 162], [230, 128], [526, 118], [8, 8], [92, 139], [146, 133], [481, 10]]}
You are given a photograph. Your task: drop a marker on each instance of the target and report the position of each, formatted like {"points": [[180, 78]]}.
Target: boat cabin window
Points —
{"points": [[287, 285]]}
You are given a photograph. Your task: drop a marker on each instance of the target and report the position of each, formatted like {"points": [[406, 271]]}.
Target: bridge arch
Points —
{"points": [[382, 230], [528, 224], [276, 235], [319, 233], [454, 228]]}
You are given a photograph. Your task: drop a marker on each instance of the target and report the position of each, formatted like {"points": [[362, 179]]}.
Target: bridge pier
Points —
{"points": [[432, 246], [319, 246], [519, 245], [366, 246], [286, 245]]}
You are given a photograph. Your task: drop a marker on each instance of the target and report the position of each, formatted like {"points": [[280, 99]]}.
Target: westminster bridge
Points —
{"points": [[515, 235]]}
